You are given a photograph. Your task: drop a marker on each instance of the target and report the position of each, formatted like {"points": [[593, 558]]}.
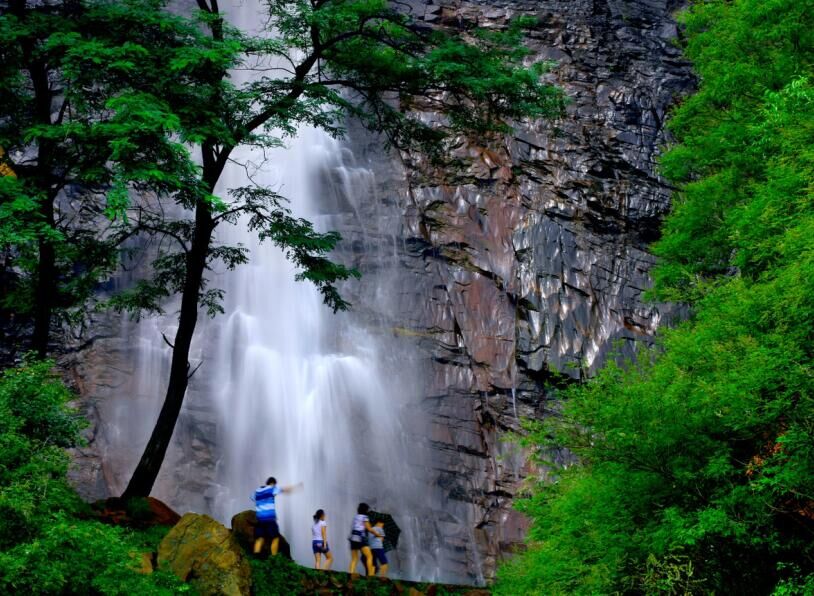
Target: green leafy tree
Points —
{"points": [[78, 135], [696, 463], [326, 60]]}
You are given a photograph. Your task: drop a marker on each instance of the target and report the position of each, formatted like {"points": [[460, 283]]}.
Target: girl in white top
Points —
{"points": [[319, 541]]}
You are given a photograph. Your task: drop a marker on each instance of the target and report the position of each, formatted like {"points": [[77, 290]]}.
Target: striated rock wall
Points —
{"points": [[532, 260]]}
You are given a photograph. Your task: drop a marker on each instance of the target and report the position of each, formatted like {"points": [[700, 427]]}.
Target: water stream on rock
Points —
{"points": [[299, 396], [287, 388]]}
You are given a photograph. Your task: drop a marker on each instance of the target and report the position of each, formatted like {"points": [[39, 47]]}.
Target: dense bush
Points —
{"points": [[46, 545], [35, 428], [73, 556], [696, 468], [277, 575]]}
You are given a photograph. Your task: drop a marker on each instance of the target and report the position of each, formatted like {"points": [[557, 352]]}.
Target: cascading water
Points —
{"points": [[287, 388], [300, 397]]}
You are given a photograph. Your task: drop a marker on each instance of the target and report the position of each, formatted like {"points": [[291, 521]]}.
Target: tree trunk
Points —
{"points": [[46, 286], [143, 479]]}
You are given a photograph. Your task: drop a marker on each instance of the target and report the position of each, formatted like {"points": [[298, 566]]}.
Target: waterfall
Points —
{"points": [[299, 395], [286, 388]]}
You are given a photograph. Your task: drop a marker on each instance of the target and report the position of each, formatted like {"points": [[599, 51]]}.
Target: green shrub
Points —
{"points": [[35, 426], [275, 576], [33, 404], [44, 545], [82, 557]]}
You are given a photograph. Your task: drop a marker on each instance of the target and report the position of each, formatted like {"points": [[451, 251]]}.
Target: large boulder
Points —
{"points": [[243, 525], [204, 553]]}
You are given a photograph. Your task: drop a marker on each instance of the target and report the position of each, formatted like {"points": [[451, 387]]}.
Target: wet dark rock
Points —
{"points": [[243, 525], [135, 513], [532, 262]]}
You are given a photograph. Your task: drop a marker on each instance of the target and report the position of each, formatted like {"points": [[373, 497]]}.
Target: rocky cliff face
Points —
{"points": [[532, 260], [535, 258]]}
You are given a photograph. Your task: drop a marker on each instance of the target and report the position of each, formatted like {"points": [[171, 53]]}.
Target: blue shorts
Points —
{"points": [[379, 558], [319, 547], [266, 528]]}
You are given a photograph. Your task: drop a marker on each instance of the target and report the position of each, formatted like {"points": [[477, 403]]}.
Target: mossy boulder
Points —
{"points": [[243, 525], [203, 552]]}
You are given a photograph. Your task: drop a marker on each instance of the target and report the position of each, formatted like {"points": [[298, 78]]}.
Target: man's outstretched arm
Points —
{"points": [[291, 487]]}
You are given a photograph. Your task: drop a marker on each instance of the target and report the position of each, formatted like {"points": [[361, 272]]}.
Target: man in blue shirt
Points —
{"points": [[266, 509]]}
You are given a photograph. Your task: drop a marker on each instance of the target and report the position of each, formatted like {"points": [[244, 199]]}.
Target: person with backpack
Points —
{"points": [[358, 539]]}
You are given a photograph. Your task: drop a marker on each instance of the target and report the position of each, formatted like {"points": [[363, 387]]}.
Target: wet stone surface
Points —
{"points": [[533, 259]]}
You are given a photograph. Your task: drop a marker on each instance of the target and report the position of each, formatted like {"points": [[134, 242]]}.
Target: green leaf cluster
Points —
{"points": [[76, 556], [46, 545], [694, 468], [89, 113], [35, 428]]}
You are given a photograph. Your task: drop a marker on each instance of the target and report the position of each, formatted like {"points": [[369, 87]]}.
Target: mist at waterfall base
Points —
{"points": [[286, 388]]}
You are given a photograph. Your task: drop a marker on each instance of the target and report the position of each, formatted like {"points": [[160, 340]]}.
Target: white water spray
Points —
{"points": [[287, 388], [300, 397]]}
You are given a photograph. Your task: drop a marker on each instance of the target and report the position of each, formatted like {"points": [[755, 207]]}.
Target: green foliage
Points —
{"points": [[744, 156], [77, 152], [45, 546], [277, 576], [696, 463], [33, 402], [73, 556], [796, 584], [35, 428]]}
